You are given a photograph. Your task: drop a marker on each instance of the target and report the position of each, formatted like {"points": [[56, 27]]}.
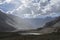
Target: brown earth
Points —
{"points": [[15, 36]]}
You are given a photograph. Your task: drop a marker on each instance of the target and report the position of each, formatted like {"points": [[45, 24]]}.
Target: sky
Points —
{"points": [[31, 8]]}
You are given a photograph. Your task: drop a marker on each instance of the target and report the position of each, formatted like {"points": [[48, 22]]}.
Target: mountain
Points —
{"points": [[28, 23], [3, 25], [38, 22], [54, 22], [7, 20], [51, 26]]}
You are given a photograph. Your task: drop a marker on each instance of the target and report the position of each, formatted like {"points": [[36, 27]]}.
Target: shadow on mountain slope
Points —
{"points": [[9, 22], [3, 25], [53, 22], [52, 26]]}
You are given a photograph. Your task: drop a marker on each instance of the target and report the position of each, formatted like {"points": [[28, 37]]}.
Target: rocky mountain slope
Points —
{"points": [[3, 25], [9, 22], [52, 26], [49, 27]]}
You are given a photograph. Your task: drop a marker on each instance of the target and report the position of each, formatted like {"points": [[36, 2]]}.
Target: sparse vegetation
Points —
{"points": [[51, 36]]}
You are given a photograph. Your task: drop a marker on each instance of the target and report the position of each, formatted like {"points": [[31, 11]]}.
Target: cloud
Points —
{"points": [[2, 2], [9, 5], [5, 1], [33, 8], [8, 1]]}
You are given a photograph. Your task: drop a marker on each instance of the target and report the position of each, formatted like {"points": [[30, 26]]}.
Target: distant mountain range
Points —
{"points": [[50, 27], [39, 22], [53, 23], [9, 22]]}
